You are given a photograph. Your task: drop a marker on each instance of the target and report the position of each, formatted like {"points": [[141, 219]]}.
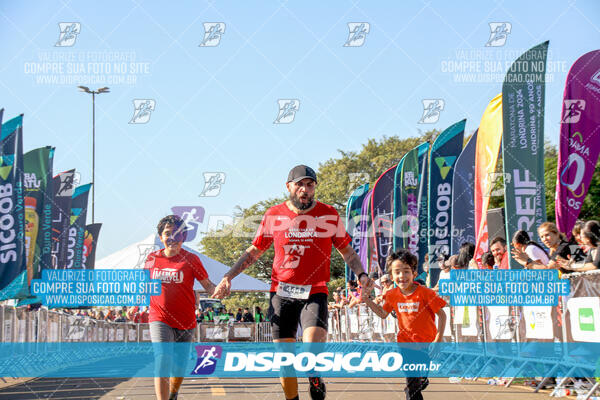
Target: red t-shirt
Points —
{"points": [[504, 263], [176, 304], [303, 244], [140, 317], [415, 312]]}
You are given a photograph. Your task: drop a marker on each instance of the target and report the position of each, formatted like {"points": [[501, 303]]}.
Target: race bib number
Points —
{"points": [[293, 291]]}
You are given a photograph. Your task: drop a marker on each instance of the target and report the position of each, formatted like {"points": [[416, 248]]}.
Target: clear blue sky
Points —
{"points": [[215, 106]]}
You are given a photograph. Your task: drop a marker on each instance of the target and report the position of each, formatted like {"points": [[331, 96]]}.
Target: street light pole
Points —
{"points": [[93, 151], [93, 93]]}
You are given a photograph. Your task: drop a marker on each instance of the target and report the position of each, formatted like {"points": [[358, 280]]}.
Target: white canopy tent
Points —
{"points": [[134, 256]]}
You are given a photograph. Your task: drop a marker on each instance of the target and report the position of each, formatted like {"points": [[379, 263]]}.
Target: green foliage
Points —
{"points": [[375, 157], [590, 209], [227, 245], [335, 283]]}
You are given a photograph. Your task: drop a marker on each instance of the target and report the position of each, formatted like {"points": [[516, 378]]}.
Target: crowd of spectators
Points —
{"points": [[140, 314], [222, 315], [579, 253], [556, 251]]}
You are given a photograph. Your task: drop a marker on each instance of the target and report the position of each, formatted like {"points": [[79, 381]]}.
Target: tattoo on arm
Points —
{"points": [[247, 259], [208, 286], [352, 259]]}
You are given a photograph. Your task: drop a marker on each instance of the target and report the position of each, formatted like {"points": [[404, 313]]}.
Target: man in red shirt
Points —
{"points": [[303, 231], [172, 313], [498, 249]]}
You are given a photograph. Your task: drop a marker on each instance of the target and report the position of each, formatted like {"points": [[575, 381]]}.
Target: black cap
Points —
{"points": [[300, 172]]}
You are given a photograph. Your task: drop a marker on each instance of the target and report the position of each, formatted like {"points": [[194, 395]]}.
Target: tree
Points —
{"points": [[336, 184], [589, 210], [229, 243]]}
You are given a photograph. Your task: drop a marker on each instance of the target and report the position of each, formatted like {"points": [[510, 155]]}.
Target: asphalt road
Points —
{"points": [[256, 389]]}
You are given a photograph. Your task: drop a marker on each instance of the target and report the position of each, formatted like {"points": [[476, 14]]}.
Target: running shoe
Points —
{"points": [[317, 388], [173, 396]]}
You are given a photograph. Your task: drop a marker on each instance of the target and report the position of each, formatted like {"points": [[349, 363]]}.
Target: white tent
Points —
{"points": [[134, 256]]}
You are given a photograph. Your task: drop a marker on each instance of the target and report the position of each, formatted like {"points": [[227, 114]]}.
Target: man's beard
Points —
{"points": [[296, 202]]}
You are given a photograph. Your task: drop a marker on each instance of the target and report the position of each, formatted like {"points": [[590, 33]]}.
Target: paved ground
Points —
{"points": [[256, 389]]}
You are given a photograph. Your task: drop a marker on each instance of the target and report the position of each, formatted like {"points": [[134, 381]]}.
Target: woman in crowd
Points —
{"points": [[488, 261], [556, 242], [353, 297], [465, 255], [529, 253], [338, 301], [258, 315], [576, 232], [450, 263], [590, 237], [386, 284]]}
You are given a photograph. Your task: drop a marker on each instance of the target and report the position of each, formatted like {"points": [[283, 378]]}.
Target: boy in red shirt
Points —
{"points": [[172, 315], [416, 307]]}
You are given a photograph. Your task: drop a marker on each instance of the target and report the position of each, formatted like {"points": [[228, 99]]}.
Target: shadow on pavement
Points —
{"points": [[61, 388]]}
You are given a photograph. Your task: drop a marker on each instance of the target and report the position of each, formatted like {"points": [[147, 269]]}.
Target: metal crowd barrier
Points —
{"points": [[481, 325]]}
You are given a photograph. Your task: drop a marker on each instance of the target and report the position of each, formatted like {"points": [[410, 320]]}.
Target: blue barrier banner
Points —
{"points": [[281, 359], [504, 287]]}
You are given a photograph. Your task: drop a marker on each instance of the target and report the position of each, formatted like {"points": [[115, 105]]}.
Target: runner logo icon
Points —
{"points": [[573, 109], [287, 110], [142, 110], [293, 253], [212, 184], [207, 359], [498, 34], [431, 111], [68, 34], [212, 34], [357, 33]]}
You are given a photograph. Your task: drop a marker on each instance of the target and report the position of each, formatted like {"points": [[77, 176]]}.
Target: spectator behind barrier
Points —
{"points": [[338, 301], [590, 236], [488, 260], [498, 249], [447, 265], [354, 294], [386, 284], [527, 252], [465, 255], [258, 315], [560, 249], [247, 316]]}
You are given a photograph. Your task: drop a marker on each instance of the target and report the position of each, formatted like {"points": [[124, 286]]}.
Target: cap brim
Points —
{"points": [[302, 177]]}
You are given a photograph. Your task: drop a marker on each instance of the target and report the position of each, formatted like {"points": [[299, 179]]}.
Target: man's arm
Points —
{"points": [[247, 259], [351, 258]]}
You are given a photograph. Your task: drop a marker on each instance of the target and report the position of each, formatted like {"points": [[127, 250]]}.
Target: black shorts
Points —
{"points": [[285, 313]]}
